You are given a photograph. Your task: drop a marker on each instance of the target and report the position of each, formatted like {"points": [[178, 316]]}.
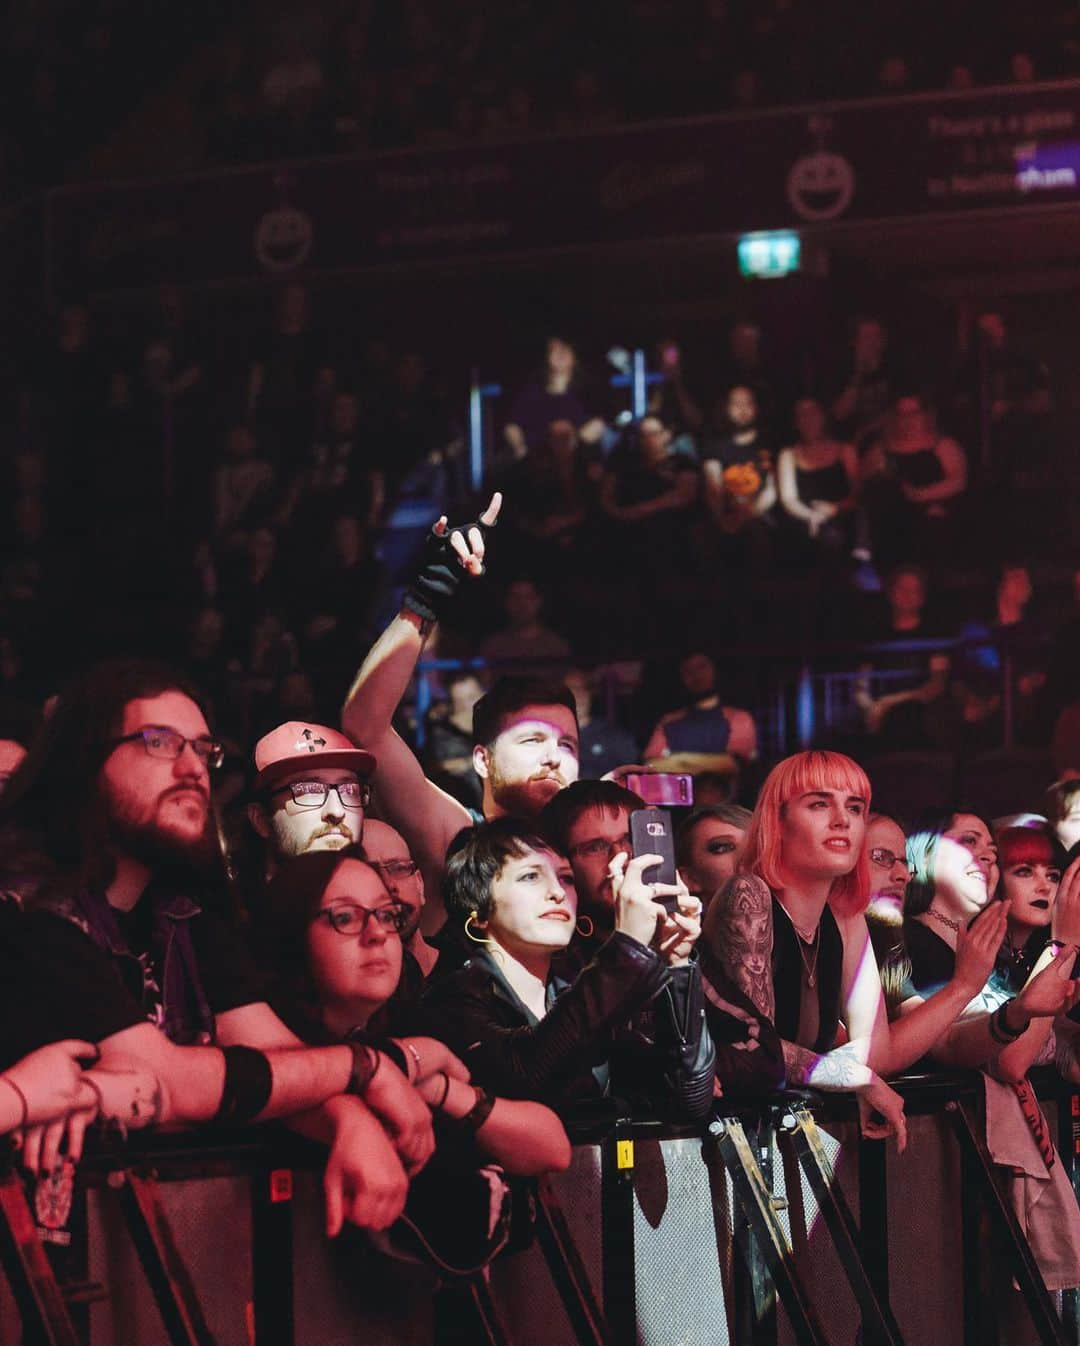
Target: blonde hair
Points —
{"points": [[795, 776]]}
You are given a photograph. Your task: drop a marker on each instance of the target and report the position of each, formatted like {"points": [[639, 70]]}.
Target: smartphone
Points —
{"points": [[651, 834], [661, 787]]}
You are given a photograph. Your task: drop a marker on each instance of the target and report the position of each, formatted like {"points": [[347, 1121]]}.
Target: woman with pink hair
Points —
{"points": [[789, 928]]}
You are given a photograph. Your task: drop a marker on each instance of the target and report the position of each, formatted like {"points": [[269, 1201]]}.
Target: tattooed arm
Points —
{"points": [[739, 934], [839, 1069]]}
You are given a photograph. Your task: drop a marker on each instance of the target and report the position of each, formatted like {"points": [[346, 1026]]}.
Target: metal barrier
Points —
{"points": [[634, 1246]]}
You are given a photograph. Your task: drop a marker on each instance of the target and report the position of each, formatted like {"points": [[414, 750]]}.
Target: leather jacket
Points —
{"points": [[623, 1023]]}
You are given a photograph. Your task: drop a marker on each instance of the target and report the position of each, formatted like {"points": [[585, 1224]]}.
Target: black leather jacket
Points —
{"points": [[625, 1023]]}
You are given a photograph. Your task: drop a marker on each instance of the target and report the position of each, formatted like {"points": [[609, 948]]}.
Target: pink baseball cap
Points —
{"points": [[293, 745]]}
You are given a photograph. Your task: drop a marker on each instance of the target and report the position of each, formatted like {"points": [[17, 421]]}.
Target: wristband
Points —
{"points": [[393, 1050], [480, 1111], [365, 1063], [23, 1104], [249, 1082], [999, 1028]]}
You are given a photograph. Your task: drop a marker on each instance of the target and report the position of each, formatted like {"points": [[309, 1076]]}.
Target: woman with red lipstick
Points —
{"points": [[1031, 862], [529, 1020], [331, 936]]}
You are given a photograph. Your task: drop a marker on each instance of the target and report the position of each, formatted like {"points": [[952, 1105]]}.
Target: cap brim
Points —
{"points": [[352, 759]]}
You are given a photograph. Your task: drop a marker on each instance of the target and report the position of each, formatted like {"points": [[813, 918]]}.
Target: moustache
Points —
{"points": [[190, 789], [332, 830], [548, 775]]}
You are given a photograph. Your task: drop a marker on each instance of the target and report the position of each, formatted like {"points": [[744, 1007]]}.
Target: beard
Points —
{"points": [[158, 847], [526, 798]]}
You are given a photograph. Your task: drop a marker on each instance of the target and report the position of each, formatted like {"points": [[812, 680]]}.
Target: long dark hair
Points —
{"points": [[53, 819], [922, 846]]}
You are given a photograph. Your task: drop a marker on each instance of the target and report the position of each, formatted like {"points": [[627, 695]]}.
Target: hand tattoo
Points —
{"points": [[741, 938]]}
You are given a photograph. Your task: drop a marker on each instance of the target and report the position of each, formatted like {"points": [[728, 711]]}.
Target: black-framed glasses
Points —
{"points": [[882, 856], [600, 847], [349, 918], [313, 794], [159, 740], [395, 869]]}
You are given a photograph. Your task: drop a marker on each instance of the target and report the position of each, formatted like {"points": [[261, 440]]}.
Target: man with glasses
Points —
{"points": [[107, 841], [311, 790]]}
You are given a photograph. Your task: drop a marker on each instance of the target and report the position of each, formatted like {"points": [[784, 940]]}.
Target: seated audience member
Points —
{"points": [[589, 822], [902, 718], [107, 843], [448, 752], [524, 637], [531, 1026], [708, 844], [860, 407], [554, 488], [789, 930], [602, 745], [333, 942], [670, 399], [525, 736], [705, 725], [554, 394], [242, 484], [817, 478], [918, 476], [738, 469], [650, 491]]}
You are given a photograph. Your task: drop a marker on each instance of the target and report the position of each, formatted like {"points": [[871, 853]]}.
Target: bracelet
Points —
{"points": [[365, 1063], [480, 1111], [999, 1028], [23, 1104], [446, 1090]]}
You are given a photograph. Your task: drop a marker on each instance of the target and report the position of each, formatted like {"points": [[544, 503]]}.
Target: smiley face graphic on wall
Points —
{"points": [[820, 185], [283, 238]]}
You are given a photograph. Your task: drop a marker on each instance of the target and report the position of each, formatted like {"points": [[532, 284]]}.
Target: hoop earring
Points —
{"points": [[475, 939], [585, 927]]}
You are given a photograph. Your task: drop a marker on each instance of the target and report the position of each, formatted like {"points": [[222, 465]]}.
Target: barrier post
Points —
{"points": [[272, 1255], [37, 1293], [617, 1234]]}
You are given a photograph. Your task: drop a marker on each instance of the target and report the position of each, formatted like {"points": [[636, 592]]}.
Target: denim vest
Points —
{"points": [[186, 1014]]}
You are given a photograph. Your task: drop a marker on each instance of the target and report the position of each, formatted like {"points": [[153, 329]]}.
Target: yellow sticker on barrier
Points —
{"points": [[624, 1154]]}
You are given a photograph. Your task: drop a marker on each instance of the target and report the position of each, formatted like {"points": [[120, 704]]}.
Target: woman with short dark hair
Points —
{"points": [[534, 1025]]}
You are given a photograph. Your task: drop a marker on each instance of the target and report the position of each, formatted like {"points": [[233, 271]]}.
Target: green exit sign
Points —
{"points": [[766, 256]]}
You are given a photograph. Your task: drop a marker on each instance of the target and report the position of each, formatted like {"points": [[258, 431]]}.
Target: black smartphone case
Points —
{"points": [[651, 834]]}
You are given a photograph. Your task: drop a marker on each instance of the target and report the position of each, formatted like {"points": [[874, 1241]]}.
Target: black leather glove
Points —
{"points": [[440, 572]]}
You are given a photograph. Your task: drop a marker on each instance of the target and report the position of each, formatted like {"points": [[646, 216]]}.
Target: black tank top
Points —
{"points": [[822, 483], [788, 972], [921, 468]]}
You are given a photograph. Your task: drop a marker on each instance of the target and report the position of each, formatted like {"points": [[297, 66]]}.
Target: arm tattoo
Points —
{"points": [[838, 1069], [740, 918]]}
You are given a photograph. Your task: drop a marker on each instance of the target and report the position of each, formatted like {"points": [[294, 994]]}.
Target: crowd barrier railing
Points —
{"points": [[774, 1224]]}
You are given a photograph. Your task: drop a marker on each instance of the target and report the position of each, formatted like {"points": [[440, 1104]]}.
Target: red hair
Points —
{"points": [[1026, 846], [789, 779]]}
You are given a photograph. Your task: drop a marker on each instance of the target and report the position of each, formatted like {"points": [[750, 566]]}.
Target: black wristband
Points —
{"points": [[999, 1028], [390, 1048], [480, 1111], [365, 1063], [249, 1082]]}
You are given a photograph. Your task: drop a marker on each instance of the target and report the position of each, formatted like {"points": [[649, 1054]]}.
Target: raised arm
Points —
{"points": [[428, 817]]}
